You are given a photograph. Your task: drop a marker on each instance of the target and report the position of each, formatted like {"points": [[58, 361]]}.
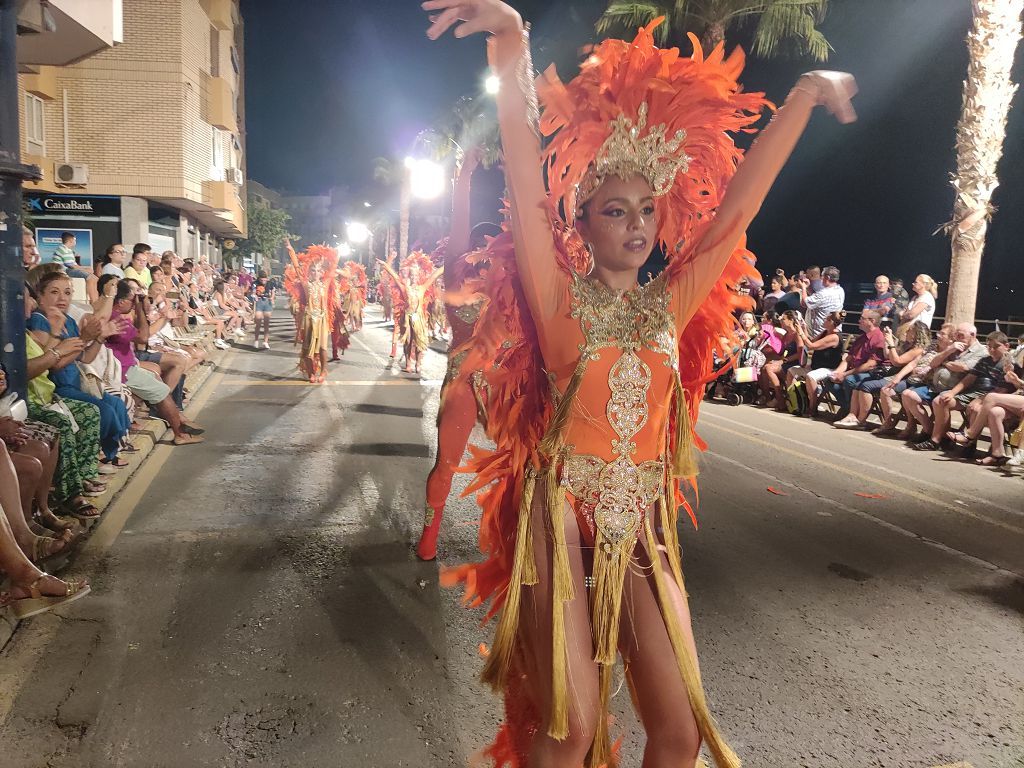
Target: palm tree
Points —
{"points": [[778, 24], [473, 121], [391, 174], [988, 91]]}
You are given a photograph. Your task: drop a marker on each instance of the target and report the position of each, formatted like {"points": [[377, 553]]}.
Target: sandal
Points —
{"points": [[117, 463], [926, 445], [57, 524], [43, 548], [82, 510], [94, 485], [883, 431], [37, 602], [993, 461], [187, 439]]}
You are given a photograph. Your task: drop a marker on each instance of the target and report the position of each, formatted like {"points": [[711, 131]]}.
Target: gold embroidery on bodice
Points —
{"points": [[617, 492], [316, 300]]}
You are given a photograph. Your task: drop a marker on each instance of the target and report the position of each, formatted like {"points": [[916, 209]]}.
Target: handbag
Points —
{"points": [[90, 383]]}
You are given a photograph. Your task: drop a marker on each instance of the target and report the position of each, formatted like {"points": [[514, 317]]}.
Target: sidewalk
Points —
{"points": [[145, 440]]}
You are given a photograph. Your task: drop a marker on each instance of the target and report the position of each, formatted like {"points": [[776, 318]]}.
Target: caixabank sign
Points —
{"points": [[41, 205]]}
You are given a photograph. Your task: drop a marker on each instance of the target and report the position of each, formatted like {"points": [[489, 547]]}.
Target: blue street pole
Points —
{"points": [[12, 174]]}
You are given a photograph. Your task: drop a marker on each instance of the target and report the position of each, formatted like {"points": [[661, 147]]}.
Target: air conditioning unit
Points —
{"points": [[234, 175], [71, 174]]}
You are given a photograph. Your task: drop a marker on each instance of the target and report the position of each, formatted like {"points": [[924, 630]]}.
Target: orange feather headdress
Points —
{"points": [[635, 108]]}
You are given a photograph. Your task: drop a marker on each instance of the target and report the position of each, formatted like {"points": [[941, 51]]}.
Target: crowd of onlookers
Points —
{"points": [[107, 346], [937, 388]]}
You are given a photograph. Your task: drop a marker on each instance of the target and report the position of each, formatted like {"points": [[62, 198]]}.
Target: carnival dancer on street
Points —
{"points": [[600, 378], [414, 284], [458, 411], [339, 315], [354, 298], [313, 289], [384, 289]]}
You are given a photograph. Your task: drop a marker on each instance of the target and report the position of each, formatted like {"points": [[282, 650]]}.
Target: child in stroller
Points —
{"points": [[738, 384]]}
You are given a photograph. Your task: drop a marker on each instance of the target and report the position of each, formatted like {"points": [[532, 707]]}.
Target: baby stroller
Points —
{"points": [[739, 383]]}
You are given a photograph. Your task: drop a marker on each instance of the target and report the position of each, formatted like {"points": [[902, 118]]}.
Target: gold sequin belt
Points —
{"points": [[615, 494]]}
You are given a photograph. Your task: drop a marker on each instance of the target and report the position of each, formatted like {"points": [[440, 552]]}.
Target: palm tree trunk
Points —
{"points": [[405, 203], [988, 90], [714, 34]]}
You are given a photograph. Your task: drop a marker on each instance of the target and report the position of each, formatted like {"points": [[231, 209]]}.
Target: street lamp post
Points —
{"points": [[12, 175]]}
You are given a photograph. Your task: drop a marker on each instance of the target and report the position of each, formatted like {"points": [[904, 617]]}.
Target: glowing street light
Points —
{"points": [[367, 204], [357, 232], [492, 84], [426, 178], [344, 250]]}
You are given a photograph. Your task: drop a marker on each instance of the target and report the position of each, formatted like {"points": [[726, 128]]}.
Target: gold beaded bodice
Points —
{"points": [[629, 338]]}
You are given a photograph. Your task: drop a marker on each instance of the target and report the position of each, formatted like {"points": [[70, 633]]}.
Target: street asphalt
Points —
{"points": [[256, 600]]}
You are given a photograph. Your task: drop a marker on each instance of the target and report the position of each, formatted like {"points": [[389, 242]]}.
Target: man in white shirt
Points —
{"points": [[822, 303], [116, 255]]}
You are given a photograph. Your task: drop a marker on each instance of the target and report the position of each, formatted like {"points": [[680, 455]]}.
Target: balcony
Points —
{"points": [[228, 213], [220, 104], [219, 12], [83, 27]]}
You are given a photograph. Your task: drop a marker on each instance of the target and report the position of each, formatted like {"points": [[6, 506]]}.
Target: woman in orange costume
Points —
{"points": [[458, 409], [339, 316], [354, 298], [313, 289], [594, 434], [415, 285]]}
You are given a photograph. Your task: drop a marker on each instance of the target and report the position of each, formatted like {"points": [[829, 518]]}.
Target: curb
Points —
{"points": [[145, 440]]}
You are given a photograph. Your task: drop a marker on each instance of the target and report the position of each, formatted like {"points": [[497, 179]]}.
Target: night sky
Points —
{"points": [[333, 84]]}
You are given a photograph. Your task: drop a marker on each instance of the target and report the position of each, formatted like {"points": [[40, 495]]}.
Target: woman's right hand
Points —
{"points": [[72, 346], [491, 16]]}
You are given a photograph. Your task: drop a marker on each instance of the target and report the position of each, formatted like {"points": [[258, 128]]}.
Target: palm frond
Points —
{"points": [[792, 24], [622, 17]]}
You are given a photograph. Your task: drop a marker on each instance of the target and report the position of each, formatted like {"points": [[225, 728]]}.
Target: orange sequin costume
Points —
{"points": [[592, 393], [316, 301]]}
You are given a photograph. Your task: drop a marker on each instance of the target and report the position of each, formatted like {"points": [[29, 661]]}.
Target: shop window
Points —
{"points": [[35, 125]]}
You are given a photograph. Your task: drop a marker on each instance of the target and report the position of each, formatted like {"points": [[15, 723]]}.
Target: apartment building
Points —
{"points": [[145, 141], [311, 218]]}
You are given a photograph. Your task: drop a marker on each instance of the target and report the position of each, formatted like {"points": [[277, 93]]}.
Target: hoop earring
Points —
{"points": [[593, 262]]}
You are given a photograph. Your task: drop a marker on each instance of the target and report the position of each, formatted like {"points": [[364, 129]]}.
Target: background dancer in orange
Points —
{"points": [[354, 298], [457, 412], [414, 284], [591, 409], [339, 316], [312, 286]]}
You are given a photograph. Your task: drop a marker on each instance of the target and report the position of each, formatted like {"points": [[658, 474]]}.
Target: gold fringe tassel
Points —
{"points": [[562, 592], [524, 571], [601, 750], [669, 521], [606, 597], [721, 752], [684, 462], [551, 445]]}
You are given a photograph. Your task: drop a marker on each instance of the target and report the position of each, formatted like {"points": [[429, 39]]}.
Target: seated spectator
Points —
{"points": [[114, 259], [922, 304], [77, 422], [748, 323], [775, 292], [830, 298], [138, 268], [915, 374], [997, 411], [900, 297], [883, 301], [792, 354], [988, 375], [31, 591], [916, 339], [129, 318], [865, 354], [826, 351], [29, 250], [50, 325], [27, 462], [65, 255]]}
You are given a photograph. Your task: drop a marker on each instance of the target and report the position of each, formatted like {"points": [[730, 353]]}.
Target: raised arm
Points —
{"points": [[291, 255], [760, 167], [458, 238], [508, 52], [398, 281]]}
